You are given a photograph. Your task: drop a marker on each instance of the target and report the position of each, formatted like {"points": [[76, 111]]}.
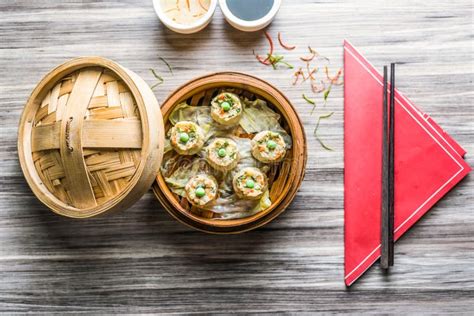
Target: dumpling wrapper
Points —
{"points": [[259, 117]]}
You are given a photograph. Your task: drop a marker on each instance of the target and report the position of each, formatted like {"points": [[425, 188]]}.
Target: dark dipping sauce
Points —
{"points": [[250, 10]]}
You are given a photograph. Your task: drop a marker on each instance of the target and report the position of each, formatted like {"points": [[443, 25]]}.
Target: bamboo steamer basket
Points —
{"points": [[286, 179], [91, 138]]}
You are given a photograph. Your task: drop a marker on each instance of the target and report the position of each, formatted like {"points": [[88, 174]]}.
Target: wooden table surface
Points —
{"points": [[141, 260]]}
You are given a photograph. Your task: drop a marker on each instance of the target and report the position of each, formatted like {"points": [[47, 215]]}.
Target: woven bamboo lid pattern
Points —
{"points": [[90, 138]]}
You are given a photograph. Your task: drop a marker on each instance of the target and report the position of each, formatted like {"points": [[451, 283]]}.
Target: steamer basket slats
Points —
{"points": [[86, 136]]}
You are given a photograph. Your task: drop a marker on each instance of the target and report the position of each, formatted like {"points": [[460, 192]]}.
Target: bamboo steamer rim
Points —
{"points": [[298, 160], [151, 150]]}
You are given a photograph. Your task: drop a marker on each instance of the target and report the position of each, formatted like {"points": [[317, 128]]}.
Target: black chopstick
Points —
{"points": [[391, 179], [385, 225]]}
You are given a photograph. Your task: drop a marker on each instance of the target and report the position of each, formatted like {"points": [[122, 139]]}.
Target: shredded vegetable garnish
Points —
{"points": [[270, 42], [274, 60], [334, 80], [318, 88], [310, 73], [326, 94], [167, 64], [322, 117], [310, 101], [269, 54], [158, 77], [261, 59], [311, 56], [282, 44], [323, 57], [297, 75]]}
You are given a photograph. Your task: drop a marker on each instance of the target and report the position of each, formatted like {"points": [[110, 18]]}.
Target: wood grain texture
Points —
{"points": [[141, 260]]}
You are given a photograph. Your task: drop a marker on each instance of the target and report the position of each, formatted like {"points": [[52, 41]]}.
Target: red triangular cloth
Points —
{"points": [[428, 163]]}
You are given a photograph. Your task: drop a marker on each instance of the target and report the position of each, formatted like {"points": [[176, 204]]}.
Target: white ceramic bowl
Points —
{"points": [[249, 26], [185, 28]]}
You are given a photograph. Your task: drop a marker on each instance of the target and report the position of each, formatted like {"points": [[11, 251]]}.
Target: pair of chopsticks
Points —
{"points": [[388, 155]]}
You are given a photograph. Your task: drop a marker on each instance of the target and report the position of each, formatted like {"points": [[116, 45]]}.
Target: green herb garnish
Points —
{"points": [[158, 77], [310, 102], [167, 64], [322, 117], [274, 60], [326, 94]]}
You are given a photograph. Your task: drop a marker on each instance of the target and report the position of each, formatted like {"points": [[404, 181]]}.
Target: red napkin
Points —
{"points": [[428, 163]]}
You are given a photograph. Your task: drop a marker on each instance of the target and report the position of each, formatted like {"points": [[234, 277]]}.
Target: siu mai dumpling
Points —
{"points": [[223, 154], [268, 146], [226, 109], [186, 138], [201, 190], [250, 183]]}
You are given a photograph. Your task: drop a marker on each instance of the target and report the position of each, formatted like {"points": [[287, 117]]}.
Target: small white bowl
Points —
{"points": [[249, 26], [185, 28]]}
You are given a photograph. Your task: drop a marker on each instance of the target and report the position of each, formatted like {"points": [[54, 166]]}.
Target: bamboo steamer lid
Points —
{"points": [[91, 138]]}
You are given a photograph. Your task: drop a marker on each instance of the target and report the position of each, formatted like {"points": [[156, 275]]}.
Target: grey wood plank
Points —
{"points": [[142, 261]]}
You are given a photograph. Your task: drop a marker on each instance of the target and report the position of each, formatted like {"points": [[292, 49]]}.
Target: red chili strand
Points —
{"points": [[285, 46], [270, 41]]}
